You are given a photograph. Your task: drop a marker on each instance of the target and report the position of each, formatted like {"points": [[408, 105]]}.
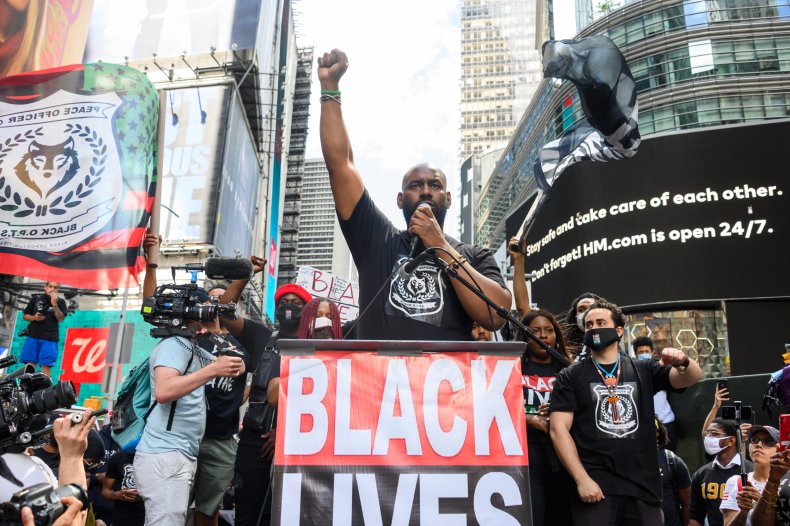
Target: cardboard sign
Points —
{"points": [[369, 438], [322, 284]]}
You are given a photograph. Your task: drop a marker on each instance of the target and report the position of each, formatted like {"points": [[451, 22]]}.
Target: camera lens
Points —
{"points": [[70, 490], [227, 311], [61, 394], [201, 312]]}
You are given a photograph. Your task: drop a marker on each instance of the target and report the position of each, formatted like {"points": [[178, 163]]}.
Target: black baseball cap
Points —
{"points": [[772, 432]]}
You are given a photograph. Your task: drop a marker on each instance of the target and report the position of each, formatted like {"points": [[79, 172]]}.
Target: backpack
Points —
{"points": [[133, 406]]}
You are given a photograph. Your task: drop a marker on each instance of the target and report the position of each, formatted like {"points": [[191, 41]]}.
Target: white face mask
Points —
{"points": [[712, 446], [580, 320]]}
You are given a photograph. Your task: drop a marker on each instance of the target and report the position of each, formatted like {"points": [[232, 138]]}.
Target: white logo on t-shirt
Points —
{"points": [[419, 294], [128, 477], [625, 408]]}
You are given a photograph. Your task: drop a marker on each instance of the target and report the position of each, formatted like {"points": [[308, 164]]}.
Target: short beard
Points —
{"points": [[439, 214]]}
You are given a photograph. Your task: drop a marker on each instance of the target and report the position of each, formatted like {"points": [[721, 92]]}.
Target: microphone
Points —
{"points": [[228, 268], [416, 239]]}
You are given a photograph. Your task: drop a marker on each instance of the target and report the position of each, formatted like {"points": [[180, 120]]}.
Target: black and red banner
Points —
{"points": [[373, 438], [77, 173]]}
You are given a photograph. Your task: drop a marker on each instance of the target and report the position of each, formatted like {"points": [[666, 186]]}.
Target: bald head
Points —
{"points": [[422, 168]]}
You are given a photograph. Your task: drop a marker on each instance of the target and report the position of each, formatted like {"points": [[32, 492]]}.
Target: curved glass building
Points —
{"points": [[697, 63]]}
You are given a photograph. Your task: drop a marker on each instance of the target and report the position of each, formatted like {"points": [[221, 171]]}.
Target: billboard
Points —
{"points": [[690, 218], [139, 29], [193, 138], [238, 193], [42, 35], [372, 437]]}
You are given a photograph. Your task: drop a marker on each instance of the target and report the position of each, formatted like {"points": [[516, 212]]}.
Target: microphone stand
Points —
{"points": [[501, 311]]}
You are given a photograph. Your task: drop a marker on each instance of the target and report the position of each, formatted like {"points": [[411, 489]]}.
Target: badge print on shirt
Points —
{"points": [[128, 477], [419, 295], [629, 416]]}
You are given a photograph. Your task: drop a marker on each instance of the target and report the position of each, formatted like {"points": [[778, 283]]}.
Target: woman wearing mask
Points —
{"points": [[320, 320], [550, 485]]}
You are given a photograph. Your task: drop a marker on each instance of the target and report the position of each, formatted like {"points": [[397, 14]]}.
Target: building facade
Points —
{"points": [[321, 244], [706, 73], [696, 64], [293, 182], [500, 70]]}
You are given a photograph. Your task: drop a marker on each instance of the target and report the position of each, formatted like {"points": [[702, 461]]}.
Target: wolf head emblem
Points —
{"points": [[47, 167]]}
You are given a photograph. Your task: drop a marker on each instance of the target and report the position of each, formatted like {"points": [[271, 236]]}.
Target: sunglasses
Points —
{"points": [[767, 442], [92, 464]]}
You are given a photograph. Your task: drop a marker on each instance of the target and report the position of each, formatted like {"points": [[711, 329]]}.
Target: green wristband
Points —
{"points": [[334, 92]]}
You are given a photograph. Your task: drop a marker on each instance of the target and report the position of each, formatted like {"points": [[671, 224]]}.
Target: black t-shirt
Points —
{"points": [[674, 476], [50, 459], [707, 490], [46, 329], [620, 457], [423, 306], [102, 507], [121, 470], [537, 380], [260, 416], [224, 395]]}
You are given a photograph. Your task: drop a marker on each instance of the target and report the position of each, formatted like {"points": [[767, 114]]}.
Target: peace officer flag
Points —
{"points": [[77, 173]]}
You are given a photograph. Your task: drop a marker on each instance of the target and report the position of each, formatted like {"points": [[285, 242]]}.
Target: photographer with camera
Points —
{"points": [[166, 456], [28, 485], [44, 312]]}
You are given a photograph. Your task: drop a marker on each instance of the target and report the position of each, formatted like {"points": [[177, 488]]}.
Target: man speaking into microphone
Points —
{"points": [[405, 294]]}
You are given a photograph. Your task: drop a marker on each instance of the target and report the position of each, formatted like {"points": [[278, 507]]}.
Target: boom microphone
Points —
{"points": [[228, 268]]}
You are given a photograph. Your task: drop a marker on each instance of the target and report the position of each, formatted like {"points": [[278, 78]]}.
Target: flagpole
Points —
{"points": [[116, 351], [153, 251]]}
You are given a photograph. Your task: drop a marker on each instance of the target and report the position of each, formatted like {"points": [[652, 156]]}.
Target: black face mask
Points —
{"points": [[288, 315], [600, 339]]}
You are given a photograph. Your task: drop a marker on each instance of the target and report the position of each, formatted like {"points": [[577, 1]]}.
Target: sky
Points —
{"points": [[401, 93]]}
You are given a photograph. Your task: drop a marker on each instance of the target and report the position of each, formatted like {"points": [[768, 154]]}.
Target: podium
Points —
{"points": [[400, 433]]}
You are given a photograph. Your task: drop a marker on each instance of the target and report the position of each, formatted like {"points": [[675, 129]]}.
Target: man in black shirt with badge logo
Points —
{"points": [[426, 304], [602, 424], [224, 396], [44, 312]]}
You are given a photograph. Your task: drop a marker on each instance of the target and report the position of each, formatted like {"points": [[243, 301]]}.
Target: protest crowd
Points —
{"points": [[600, 428]]}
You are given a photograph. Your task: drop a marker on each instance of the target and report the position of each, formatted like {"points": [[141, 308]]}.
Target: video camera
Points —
{"points": [[43, 500], [172, 307], [25, 394]]}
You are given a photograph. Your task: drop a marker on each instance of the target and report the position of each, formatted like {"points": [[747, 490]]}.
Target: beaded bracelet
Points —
{"points": [[325, 98], [458, 263]]}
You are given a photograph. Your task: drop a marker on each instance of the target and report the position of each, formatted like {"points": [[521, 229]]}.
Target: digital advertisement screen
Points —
{"points": [[694, 216]]}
